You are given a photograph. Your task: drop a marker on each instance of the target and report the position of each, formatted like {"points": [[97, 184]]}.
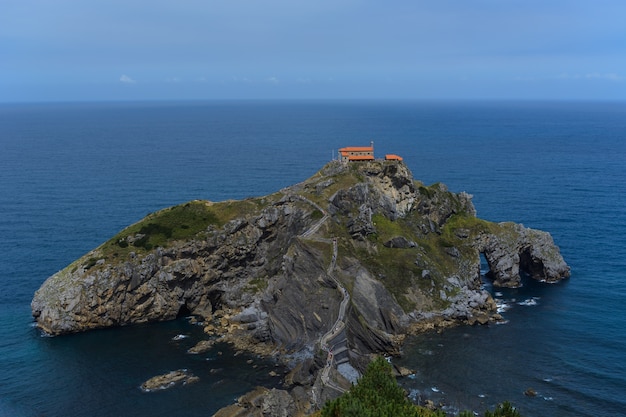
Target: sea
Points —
{"points": [[74, 174]]}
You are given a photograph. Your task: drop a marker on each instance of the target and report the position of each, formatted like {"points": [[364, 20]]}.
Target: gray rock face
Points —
{"points": [[267, 275], [263, 402], [195, 276], [399, 242], [168, 380], [517, 249]]}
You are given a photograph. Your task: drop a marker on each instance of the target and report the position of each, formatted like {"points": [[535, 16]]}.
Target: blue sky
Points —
{"points": [[65, 50]]}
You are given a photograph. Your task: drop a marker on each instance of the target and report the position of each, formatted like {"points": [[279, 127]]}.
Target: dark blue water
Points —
{"points": [[72, 175]]}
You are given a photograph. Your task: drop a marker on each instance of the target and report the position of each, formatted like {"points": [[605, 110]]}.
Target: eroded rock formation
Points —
{"points": [[168, 380], [270, 273]]}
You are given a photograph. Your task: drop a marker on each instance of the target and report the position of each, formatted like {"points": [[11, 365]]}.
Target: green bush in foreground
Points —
{"points": [[377, 394], [503, 410]]}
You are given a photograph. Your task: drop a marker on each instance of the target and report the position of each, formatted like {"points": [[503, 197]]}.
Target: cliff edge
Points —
{"points": [[361, 245]]}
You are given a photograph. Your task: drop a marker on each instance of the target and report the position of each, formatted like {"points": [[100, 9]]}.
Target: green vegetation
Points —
{"points": [[377, 394], [386, 228], [174, 223], [180, 222], [91, 262], [323, 250], [397, 270], [426, 191], [465, 221], [505, 409], [342, 180], [401, 270], [440, 249], [257, 285]]}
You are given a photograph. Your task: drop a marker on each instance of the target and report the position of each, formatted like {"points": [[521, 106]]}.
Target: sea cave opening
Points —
{"points": [[183, 311], [215, 298], [531, 266], [485, 269]]}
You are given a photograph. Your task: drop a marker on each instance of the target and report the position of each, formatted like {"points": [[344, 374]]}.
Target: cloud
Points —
{"points": [[245, 80], [126, 79], [592, 76], [273, 80], [609, 77]]}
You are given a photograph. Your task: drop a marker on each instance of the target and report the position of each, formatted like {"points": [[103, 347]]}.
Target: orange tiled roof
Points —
{"points": [[357, 149], [392, 157]]}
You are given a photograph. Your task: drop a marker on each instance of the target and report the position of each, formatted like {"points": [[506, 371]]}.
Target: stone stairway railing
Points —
{"points": [[334, 342]]}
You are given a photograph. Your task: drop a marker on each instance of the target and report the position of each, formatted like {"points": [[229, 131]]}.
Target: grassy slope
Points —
{"points": [[177, 223]]}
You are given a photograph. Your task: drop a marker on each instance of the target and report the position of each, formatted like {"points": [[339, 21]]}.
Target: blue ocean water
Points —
{"points": [[72, 175]]}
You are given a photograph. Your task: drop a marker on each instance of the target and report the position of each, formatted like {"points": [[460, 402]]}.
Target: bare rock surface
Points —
{"points": [[262, 402], [169, 380]]}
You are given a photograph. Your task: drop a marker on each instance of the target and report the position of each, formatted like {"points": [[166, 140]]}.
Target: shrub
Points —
{"points": [[377, 394], [503, 410]]}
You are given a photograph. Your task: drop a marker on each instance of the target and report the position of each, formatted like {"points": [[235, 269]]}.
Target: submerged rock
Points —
{"points": [[201, 347], [169, 380], [530, 392]]}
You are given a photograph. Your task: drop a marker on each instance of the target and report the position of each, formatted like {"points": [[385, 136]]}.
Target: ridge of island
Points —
{"points": [[329, 271]]}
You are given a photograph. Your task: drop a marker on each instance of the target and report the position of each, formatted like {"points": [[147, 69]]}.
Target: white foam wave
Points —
{"points": [[502, 306], [529, 302], [180, 337]]}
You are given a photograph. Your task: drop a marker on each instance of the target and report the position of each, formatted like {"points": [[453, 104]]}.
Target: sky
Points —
{"points": [[91, 50]]}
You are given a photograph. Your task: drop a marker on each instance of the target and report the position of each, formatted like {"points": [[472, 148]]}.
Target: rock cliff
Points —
{"points": [[363, 246]]}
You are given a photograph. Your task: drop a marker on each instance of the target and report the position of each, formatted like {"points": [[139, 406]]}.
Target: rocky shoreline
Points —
{"points": [[323, 274], [169, 380]]}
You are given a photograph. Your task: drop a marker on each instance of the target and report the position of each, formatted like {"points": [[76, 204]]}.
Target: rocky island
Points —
{"points": [[330, 271]]}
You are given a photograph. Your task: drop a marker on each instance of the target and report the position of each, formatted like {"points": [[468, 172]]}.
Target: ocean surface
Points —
{"points": [[73, 175]]}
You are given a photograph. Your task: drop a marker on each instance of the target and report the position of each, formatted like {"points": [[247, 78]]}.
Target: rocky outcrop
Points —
{"points": [[270, 274], [168, 380], [201, 347], [399, 242], [195, 276], [515, 249], [263, 402]]}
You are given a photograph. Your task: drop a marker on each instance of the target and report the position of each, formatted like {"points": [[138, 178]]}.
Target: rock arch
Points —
{"points": [[512, 249]]}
